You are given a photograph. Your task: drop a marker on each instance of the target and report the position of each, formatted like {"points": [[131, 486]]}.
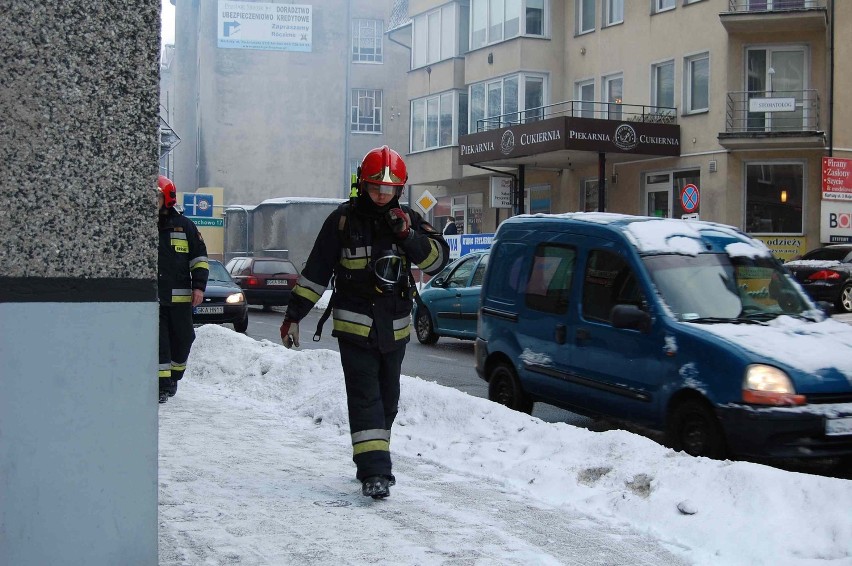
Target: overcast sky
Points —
{"points": [[168, 22]]}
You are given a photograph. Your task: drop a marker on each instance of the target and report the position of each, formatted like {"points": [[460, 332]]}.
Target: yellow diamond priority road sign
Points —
{"points": [[426, 201]]}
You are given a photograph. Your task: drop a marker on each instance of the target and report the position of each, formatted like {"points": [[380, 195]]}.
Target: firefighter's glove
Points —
{"points": [[399, 223], [290, 333]]}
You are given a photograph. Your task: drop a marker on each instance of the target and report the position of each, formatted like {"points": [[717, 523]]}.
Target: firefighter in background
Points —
{"points": [[369, 245], [182, 270]]}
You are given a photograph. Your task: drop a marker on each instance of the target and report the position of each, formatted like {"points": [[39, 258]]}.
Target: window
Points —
{"points": [[498, 20], [697, 84], [608, 281], [663, 5], [507, 259], [435, 120], [613, 94], [774, 198], [461, 274], [367, 41], [780, 71], [479, 274], [613, 12], [584, 92], [585, 15], [590, 195], [549, 285], [662, 80], [366, 111], [438, 33], [496, 103], [537, 199]]}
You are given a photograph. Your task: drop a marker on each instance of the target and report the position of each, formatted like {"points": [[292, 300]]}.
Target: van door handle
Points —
{"points": [[583, 334], [559, 334]]}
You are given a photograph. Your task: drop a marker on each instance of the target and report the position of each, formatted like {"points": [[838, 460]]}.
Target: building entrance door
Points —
{"points": [[658, 195]]}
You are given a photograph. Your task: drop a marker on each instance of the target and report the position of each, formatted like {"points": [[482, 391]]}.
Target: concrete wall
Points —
{"points": [[78, 408]]}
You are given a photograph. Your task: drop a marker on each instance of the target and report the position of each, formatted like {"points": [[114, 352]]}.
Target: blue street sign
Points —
{"points": [[195, 204]]}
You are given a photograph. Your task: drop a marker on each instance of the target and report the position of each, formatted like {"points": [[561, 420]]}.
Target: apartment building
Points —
{"points": [[276, 99], [723, 110]]}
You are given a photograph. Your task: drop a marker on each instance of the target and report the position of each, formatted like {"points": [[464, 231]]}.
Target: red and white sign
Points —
{"points": [[836, 222], [836, 179]]}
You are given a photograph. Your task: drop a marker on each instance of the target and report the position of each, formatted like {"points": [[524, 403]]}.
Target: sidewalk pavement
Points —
{"points": [[233, 492]]}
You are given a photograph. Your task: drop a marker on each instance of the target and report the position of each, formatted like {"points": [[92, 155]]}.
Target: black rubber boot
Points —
{"points": [[376, 487], [172, 389], [164, 396]]}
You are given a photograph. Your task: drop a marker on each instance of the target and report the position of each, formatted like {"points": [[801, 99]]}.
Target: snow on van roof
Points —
{"points": [[671, 235]]}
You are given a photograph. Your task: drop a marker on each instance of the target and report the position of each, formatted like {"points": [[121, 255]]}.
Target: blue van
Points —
{"points": [[688, 327]]}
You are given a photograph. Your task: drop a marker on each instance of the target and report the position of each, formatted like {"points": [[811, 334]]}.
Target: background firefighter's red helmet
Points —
{"points": [[168, 190], [383, 166]]}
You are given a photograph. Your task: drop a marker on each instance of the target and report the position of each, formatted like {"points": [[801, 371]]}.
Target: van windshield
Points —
{"points": [[710, 288]]}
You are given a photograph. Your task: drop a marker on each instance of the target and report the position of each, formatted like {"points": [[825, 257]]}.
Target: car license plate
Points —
{"points": [[282, 282], [838, 427], [208, 310]]}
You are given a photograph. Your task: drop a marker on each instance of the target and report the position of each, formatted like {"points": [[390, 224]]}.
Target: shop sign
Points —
{"points": [[835, 222], [785, 248], [836, 179], [501, 192], [772, 105]]}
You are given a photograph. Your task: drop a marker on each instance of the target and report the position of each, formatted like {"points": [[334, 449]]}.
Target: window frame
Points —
{"points": [[655, 87], [456, 98], [449, 38], [581, 10], [607, 20], [485, 11], [799, 201], [659, 6], [688, 94], [584, 110], [606, 82], [357, 125], [521, 106], [543, 302], [378, 41]]}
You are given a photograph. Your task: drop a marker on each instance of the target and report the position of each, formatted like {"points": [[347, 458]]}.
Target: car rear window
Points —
{"points": [[274, 267], [827, 254]]}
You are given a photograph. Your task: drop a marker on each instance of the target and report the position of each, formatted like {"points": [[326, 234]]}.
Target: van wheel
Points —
{"points": [[241, 325], [423, 327], [694, 429], [505, 388]]}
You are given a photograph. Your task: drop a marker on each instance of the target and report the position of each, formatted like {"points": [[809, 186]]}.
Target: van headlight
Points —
{"points": [[768, 385], [235, 298]]}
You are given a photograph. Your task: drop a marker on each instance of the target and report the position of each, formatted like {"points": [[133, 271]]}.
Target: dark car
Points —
{"points": [[266, 281], [826, 274], [224, 301], [451, 300]]}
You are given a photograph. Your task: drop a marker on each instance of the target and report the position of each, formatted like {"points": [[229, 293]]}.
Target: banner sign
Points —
{"points": [[836, 179], [265, 26]]}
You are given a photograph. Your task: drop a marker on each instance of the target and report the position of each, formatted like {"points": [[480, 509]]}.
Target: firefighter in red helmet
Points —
{"points": [[182, 271], [369, 245]]}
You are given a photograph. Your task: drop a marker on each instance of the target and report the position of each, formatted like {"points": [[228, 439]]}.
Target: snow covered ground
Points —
{"points": [[255, 468]]}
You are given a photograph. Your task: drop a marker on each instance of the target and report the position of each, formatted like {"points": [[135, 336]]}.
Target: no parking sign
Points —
{"points": [[690, 198]]}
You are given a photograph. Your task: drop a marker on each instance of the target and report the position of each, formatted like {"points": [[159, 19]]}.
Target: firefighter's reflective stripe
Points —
{"points": [[370, 440], [352, 322], [181, 295], [308, 290], [402, 327], [179, 242], [164, 370], [354, 263], [178, 367], [434, 262], [372, 434], [199, 263]]}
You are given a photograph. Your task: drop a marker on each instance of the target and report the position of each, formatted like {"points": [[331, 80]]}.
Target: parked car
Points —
{"points": [[451, 300], [688, 327], [224, 301], [266, 281], [826, 274]]}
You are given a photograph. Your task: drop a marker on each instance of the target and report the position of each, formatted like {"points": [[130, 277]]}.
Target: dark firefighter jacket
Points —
{"points": [[347, 246], [182, 260]]}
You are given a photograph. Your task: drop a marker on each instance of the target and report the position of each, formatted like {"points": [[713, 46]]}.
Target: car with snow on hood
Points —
{"points": [[688, 327]]}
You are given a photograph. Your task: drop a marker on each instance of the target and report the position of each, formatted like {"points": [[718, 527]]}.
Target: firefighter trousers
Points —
{"points": [[372, 398], [176, 337]]}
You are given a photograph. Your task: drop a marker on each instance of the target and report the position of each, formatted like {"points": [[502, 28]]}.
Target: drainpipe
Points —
{"points": [[831, 83]]}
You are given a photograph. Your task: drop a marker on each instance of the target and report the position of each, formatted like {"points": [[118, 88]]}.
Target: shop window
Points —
{"points": [[774, 198]]}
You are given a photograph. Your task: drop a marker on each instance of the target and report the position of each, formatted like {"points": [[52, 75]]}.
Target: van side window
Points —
{"points": [[479, 274], [550, 278], [506, 259], [608, 281]]}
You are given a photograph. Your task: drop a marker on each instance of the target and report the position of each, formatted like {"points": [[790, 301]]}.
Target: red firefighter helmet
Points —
{"points": [[168, 190], [383, 166]]}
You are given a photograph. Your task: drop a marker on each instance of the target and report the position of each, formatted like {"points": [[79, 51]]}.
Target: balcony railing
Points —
{"points": [[583, 109], [773, 5], [749, 112]]}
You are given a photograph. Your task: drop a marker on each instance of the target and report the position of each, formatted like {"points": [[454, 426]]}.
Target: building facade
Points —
{"points": [[723, 110], [273, 99]]}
